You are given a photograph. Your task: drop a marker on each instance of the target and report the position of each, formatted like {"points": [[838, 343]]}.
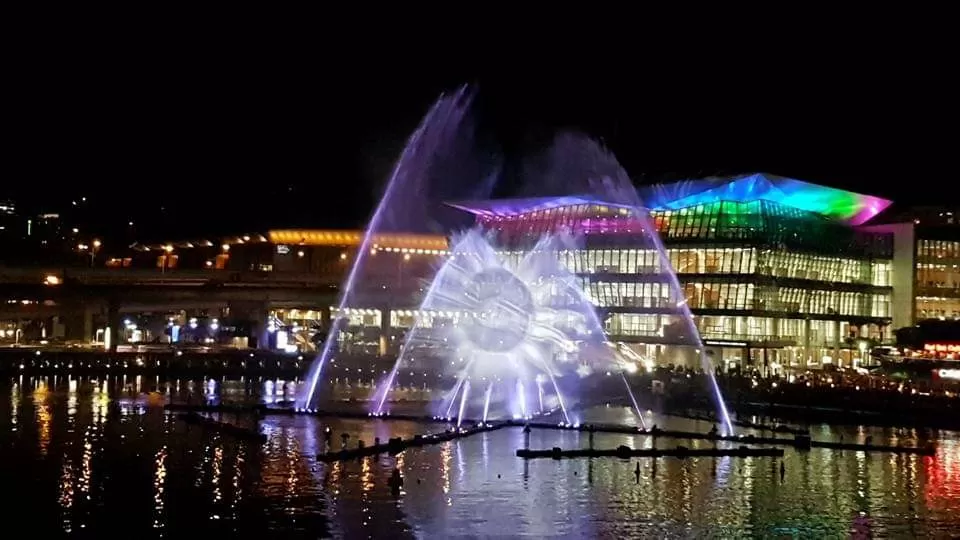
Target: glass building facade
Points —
{"points": [[772, 282], [938, 277]]}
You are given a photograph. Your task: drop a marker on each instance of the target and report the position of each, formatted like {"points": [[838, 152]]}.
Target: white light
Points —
{"points": [[949, 373]]}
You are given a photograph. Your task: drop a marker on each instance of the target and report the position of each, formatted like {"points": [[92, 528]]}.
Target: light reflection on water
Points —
{"points": [[87, 454]]}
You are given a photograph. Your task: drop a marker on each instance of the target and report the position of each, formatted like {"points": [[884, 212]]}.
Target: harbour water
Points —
{"points": [[88, 457]]}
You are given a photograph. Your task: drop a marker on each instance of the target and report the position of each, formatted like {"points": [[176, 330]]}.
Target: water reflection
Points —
{"points": [[159, 481], [90, 450], [67, 480], [40, 395]]}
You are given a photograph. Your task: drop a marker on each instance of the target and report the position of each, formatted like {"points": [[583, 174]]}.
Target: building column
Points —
{"points": [[836, 342], [260, 330], [113, 326], [385, 330], [74, 322], [805, 361], [255, 314], [325, 318]]}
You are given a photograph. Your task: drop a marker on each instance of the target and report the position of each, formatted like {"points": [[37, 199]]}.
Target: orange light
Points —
{"points": [[315, 237]]}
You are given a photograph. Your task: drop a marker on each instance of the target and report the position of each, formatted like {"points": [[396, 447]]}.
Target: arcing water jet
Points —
{"points": [[445, 115]]}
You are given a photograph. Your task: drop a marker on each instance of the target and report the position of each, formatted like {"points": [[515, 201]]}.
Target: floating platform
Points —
{"points": [[222, 427], [396, 445], [625, 452], [928, 450], [776, 428], [800, 442]]}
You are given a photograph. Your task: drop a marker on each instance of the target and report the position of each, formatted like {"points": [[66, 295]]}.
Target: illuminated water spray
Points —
{"points": [[486, 401], [687, 317], [522, 398], [633, 399], [519, 317], [451, 399], [463, 402], [540, 393], [620, 190], [446, 110]]}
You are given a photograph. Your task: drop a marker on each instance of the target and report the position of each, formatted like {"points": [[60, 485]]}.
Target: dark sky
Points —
{"points": [[209, 137]]}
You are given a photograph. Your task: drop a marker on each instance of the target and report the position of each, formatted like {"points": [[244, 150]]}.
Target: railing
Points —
{"points": [[127, 276]]}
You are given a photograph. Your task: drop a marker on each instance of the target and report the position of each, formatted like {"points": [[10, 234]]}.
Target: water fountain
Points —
{"points": [[511, 317], [445, 133], [515, 321]]}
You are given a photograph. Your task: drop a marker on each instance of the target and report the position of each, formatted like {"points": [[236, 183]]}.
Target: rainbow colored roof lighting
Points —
{"points": [[852, 208]]}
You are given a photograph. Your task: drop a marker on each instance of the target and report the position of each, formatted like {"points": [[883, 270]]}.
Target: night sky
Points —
{"points": [[209, 139]]}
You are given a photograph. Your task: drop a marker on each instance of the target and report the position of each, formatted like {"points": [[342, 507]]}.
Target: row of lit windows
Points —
{"points": [[615, 261], [938, 275], [937, 308], [633, 295], [365, 333], [740, 296], [824, 302], [724, 261], [713, 260], [719, 295], [938, 249], [835, 269], [732, 328]]}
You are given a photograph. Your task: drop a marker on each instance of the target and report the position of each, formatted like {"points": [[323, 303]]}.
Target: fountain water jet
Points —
{"points": [[362, 253], [522, 396], [453, 396], [633, 400], [486, 401], [407, 178], [540, 393], [606, 178], [463, 402], [563, 408]]}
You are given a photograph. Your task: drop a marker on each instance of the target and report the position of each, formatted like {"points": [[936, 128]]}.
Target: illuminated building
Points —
{"points": [[776, 272], [927, 264]]}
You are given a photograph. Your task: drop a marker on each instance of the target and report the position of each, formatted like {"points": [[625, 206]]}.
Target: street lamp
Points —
{"points": [[168, 249], [95, 247]]}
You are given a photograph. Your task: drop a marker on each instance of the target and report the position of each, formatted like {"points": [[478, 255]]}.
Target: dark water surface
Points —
{"points": [[70, 465]]}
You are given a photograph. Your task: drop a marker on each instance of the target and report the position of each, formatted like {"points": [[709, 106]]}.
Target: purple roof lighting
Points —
{"points": [[512, 207]]}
